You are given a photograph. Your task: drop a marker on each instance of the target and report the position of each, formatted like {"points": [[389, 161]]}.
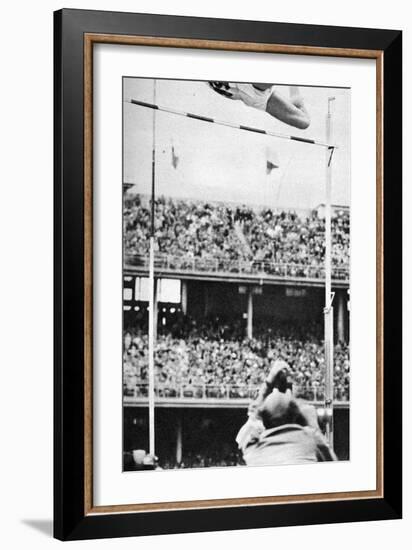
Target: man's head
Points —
{"points": [[280, 408]]}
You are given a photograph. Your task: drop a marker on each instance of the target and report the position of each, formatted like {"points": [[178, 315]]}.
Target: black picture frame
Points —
{"points": [[71, 522]]}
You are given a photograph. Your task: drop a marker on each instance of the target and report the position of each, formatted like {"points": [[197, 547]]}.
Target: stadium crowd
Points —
{"points": [[260, 238], [212, 359]]}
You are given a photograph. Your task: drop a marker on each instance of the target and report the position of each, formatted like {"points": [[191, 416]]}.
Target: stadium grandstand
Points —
{"points": [[236, 287], [228, 238]]}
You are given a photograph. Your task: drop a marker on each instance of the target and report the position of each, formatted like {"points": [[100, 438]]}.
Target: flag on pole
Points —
{"points": [[175, 158], [272, 160]]}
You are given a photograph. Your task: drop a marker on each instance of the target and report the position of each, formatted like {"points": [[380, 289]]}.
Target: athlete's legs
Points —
{"points": [[290, 111]]}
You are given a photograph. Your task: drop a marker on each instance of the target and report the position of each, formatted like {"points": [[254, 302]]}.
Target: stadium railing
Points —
{"points": [[310, 392], [166, 262]]}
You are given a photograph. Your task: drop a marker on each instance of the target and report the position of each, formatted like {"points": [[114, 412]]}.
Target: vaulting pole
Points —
{"points": [[253, 129], [151, 292], [328, 310]]}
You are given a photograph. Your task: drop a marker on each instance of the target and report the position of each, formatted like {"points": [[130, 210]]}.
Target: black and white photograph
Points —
{"points": [[236, 270], [203, 225]]}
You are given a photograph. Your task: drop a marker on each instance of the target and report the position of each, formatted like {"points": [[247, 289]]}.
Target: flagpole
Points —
{"points": [[151, 291], [328, 310]]}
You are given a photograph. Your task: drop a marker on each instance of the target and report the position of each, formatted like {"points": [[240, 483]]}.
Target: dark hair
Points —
{"points": [[292, 415], [281, 381]]}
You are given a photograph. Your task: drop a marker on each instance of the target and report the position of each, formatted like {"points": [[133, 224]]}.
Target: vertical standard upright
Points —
{"points": [[328, 310], [151, 292]]}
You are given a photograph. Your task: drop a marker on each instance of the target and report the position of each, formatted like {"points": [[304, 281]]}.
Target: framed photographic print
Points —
{"points": [[227, 274]]}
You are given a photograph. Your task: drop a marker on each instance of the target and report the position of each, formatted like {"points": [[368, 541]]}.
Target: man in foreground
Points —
{"points": [[280, 429]]}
